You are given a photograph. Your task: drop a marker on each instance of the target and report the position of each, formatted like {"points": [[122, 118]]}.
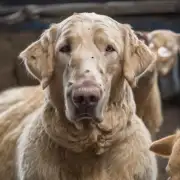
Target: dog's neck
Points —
{"points": [[93, 136]]}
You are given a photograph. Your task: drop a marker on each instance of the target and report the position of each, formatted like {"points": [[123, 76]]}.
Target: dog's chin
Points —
{"points": [[87, 118], [74, 116], [84, 117]]}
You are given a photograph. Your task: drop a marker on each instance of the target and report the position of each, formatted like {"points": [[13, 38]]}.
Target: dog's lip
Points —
{"points": [[84, 116], [87, 117]]}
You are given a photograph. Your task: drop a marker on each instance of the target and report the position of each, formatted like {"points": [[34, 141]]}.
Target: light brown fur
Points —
{"points": [[148, 102], [12, 96], [169, 147], [51, 146]]}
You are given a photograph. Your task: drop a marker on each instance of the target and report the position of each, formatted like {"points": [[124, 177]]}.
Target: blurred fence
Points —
{"points": [[21, 24]]}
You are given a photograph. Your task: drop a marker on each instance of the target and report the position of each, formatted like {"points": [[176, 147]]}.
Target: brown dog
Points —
{"points": [[87, 127], [169, 147]]}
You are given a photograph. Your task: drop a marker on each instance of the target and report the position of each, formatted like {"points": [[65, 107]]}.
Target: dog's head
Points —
{"points": [[169, 147], [82, 58], [165, 44]]}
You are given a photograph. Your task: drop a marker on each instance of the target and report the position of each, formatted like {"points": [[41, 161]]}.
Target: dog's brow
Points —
{"points": [[64, 25]]}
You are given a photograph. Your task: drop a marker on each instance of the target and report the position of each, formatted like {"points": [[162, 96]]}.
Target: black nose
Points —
{"points": [[86, 96]]}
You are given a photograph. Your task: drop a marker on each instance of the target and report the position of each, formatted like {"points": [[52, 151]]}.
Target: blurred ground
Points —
{"points": [[171, 123]]}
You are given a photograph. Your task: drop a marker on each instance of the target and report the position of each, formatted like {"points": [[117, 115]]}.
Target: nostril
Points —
{"points": [[79, 99], [93, 99], [86, 98]]}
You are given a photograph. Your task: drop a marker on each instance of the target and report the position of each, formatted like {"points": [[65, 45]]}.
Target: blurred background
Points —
{"points": [[22, 21]]}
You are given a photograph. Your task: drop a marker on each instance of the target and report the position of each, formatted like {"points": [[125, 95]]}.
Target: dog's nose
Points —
{"points": [[86, 95]]}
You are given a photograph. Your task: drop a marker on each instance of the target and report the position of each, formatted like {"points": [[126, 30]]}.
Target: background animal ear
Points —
{"points": [[178, 39], [143, 36], [138, 58], [39, 57], [163, 147]]}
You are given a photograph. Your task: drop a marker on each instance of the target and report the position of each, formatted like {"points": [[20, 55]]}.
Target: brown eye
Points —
{"points": [[66, 48], [110, 48]]}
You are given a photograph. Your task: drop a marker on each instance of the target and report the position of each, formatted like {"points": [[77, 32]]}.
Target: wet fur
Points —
{"points": [[50, 147]]}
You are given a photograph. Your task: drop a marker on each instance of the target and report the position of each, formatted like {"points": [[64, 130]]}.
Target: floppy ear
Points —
{"points": [[138, 58], [39, 57], [163, 147]]}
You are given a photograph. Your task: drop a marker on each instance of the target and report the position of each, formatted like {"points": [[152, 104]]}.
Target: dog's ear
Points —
{"points": [[163, 147], [138, 58], [39, 56]]}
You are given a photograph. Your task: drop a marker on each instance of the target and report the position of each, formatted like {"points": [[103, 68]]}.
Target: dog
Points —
{"points": [[146, 94], [168, 147], [86, 127]]}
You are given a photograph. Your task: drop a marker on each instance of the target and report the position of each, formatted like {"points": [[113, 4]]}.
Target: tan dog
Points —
{"points": [[87, 127], [169, 147]]}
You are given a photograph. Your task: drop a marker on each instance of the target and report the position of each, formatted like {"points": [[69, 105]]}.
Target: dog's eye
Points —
{"points": [[65, 49], [110, 48]]}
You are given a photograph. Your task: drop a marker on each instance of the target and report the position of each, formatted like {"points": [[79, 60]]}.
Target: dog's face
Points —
{"points": [[165, 44], [169, 147], [81, 59]]}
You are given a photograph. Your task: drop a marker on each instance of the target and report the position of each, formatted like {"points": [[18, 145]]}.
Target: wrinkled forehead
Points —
{"points": [[82, 25]]}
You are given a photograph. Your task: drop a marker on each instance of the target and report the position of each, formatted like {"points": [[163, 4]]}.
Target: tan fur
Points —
{"points": [[52, 147], [148, 102], [12, 122], [169, 147], [12, 96]]}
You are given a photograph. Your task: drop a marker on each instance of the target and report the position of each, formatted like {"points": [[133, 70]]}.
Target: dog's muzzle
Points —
{"points": [[85, 98]]}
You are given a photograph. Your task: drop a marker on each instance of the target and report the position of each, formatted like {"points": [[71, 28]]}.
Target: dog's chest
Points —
{"points": [[98, 167]]}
